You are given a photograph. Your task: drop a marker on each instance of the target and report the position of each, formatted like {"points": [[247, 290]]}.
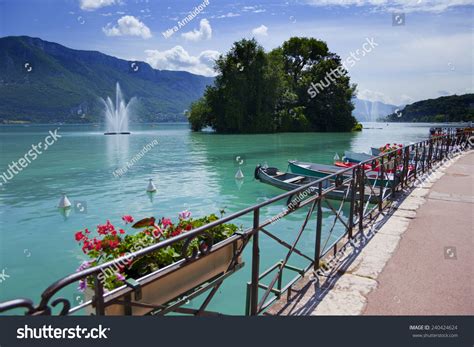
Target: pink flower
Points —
{"points": [[184, 214], [127, 219]]}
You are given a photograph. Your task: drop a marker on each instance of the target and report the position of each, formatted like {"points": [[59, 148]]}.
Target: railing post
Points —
{"points": [[406, 162], [255, 264], [430, 153], [381, 182], [99, 297], [423, 157], [416, 162], [361, 197], [353, 188], [319, 226]]}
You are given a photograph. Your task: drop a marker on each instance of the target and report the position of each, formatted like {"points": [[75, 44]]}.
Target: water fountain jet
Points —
{"points": [[116, 115]]}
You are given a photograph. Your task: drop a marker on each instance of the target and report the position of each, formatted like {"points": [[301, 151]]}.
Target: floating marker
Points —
{"points": [[151, 186], [239, 175], [64, 202], [336, 157]]}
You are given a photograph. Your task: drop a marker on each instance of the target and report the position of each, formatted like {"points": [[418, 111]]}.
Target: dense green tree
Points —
{"points": [[243, 97], [256, 91], [308, 62]]}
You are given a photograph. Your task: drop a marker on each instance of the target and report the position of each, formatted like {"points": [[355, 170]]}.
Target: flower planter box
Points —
{"points": [[172, 281]]}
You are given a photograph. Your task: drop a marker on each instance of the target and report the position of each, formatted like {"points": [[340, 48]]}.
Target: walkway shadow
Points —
{"points": [[308, 293]]}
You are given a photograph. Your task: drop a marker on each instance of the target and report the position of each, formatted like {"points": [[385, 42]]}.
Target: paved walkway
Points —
{"points": [[419, 261], [431, 272]]}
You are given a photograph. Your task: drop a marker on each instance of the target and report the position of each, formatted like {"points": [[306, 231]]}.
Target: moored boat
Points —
{"points": [[321, 170], [289, 181], [355, 157]]}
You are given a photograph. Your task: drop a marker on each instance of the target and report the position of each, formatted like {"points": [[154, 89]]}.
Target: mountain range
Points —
{"points": [[453, 108], [45, 82]]}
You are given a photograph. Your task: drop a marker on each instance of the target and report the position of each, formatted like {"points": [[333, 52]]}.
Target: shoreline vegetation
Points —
{"points": [[267, 92], [445, 109]]}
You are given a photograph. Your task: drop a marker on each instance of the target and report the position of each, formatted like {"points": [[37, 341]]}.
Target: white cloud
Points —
{"points": [[92, 5], [229, 15], [177, 58], [204, 32], [435, 6], [128, 26], [262, 30]]}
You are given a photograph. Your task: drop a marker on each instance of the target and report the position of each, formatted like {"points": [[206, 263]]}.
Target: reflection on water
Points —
{"points": [[191, 171], [118, 147]]}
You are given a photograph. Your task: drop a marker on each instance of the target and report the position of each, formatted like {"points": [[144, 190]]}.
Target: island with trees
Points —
{"points": [[265, 92]]}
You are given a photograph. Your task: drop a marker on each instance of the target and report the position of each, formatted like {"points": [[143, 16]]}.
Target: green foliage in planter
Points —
{"points": [[112, 243]]}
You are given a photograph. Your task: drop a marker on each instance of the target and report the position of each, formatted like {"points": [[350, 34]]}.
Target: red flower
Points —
{"points": [[98, 245], [106, 228], [127, 219], [121, 231], [87, 246], [188, 227], [166, 222], [113, 243], [176, 232], [79, 236]]}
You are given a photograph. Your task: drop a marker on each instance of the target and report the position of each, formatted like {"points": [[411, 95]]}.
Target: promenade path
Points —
{"points": [[431, 272], [419, 261]]}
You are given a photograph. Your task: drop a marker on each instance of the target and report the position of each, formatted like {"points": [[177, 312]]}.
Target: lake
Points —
{"points": [[193, 171]]}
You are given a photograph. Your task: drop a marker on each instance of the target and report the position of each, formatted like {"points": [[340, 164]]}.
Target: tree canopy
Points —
{"points": [[259, 92]]}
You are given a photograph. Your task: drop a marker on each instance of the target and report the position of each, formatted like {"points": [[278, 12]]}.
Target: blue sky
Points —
{"points": [[430, 54]]}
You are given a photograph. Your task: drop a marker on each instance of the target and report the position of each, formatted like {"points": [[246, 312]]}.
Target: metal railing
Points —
{"points": [[365, 196]]}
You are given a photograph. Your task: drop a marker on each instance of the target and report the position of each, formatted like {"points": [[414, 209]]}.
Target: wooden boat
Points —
{"points": [[313, 169], [321, 170], [290, 181], [355, 157]]}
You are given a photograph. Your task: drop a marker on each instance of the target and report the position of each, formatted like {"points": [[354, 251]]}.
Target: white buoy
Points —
{"points": [[239, 175], [336, 157], [64, 202], [151, 186]]}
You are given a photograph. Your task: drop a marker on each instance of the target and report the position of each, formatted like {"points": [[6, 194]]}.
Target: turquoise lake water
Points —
{"points": [[193, 171]]}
